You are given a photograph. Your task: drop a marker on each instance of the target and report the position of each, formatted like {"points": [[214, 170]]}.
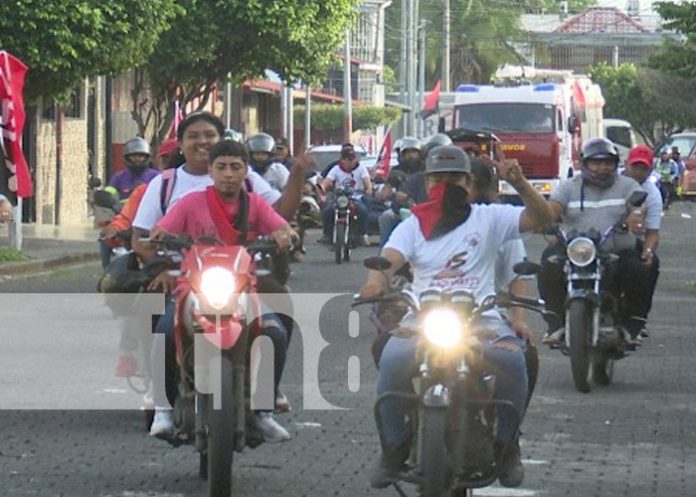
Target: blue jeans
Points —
{"points": [[388, 221], [398, 366], [327, 217], [164, 387]]}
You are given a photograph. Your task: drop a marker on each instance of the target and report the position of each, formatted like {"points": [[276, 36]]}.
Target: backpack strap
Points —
{"points": [[168, 182], [249, 185]]}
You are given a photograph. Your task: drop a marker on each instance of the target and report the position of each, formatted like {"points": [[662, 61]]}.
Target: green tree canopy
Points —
{"points": [[212, 38], [677, 57], [62, 41], [329, 117], [642, 97]]}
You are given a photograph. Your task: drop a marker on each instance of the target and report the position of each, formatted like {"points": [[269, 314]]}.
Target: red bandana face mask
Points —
{"points": [[430, 212]]}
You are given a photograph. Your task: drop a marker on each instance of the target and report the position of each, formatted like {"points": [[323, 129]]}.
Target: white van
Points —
{"points": [[620, 132]]}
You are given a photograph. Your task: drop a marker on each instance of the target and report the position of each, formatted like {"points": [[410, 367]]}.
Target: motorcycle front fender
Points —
{"points": [[437, 396], [583, 294]]}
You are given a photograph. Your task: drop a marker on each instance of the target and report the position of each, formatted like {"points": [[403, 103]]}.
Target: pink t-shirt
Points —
{"points": [[191, 216]]}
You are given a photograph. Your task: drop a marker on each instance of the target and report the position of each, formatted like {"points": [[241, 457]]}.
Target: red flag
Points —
{"points": [[432, 102], [12, 72], [384, 157]]}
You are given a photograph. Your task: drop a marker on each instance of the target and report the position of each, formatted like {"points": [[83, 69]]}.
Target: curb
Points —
{"points": [[41, 265]]}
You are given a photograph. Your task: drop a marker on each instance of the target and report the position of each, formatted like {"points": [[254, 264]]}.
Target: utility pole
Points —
{"points": [[347, 92], [412, 68], [445, 55], [290, 118], [283, 111], [228, 101], [421, 73], [403, 77], [308, 118]]}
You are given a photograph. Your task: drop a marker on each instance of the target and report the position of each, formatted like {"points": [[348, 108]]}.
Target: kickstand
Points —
{"points": [[398, 489]]}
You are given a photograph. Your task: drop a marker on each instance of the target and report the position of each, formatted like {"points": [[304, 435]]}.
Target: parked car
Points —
{"points": [[370, 162], [620, 132], [686, 143]]}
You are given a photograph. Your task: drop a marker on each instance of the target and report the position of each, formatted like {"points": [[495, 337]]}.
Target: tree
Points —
{"points": [[677, 57], [329, 117], [640, 97], [63, 42], [213, 38]]}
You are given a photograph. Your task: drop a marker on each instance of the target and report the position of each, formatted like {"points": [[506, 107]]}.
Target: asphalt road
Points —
{"points": [[634, 438]]}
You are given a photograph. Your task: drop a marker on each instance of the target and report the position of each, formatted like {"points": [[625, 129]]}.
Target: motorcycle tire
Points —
{"points": [[579, 323], [340, 244], [433, 456], [220, 454], [602, 369]]}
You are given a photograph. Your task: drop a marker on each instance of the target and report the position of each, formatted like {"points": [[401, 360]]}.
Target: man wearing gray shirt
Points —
{"points": [[597, 198]]}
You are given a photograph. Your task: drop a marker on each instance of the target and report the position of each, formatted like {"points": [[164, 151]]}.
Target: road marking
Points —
{"points": [[504, 492], [534, 462], [308, 425]]}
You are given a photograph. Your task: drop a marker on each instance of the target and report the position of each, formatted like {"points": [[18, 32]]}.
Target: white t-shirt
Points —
{"points": [[509, 254], [354, 180], [465, 258], [150, 211], [277, 176]]}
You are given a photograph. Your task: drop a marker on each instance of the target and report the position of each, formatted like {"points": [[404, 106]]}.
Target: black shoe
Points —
{"points": [[512, 471]]}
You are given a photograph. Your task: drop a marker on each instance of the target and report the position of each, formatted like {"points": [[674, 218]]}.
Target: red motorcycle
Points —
{"points": [[214, 328]]}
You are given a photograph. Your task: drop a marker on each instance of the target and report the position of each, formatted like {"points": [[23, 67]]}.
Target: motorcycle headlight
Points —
{"points": [[443, 328], [217, 284], [342, 202], [582, 251]]}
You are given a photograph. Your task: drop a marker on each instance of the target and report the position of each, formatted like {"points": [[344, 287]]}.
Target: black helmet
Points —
{"points": [[599, 148], [233, 134], [437, 140], [261, 142]]}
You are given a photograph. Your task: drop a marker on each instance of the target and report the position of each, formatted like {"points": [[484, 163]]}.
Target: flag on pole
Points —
{"points": [[384, 156], [15, 171], [432, 102], [177, 118]]}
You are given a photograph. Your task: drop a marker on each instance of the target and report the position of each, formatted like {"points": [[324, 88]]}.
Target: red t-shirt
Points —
{"points": [[191, 216]]}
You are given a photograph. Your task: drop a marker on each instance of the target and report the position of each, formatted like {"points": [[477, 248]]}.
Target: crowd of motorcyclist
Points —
{"points": [[436, 212]]}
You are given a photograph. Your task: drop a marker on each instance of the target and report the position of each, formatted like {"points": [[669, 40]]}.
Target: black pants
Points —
{"points": [[628, 280]]}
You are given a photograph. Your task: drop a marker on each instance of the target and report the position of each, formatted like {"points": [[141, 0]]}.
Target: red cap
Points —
{"points": [[641, 154], [167, 147]]}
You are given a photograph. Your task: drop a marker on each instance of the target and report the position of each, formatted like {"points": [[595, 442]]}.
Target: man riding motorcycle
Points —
{"points": [[451, 243], [262, 160], [197, 133], [597, 198], [411, 161], [639, 166], [212, 213]]}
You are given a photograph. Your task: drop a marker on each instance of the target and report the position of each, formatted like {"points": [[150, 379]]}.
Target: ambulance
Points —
{"points": [[540, 116]]}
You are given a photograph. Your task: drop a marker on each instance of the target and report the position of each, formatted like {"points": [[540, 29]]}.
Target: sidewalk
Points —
{"points": [[50, 247]]}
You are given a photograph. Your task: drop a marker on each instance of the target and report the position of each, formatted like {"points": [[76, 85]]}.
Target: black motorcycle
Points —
{"points": [[345, 219], [593, 337], [453, 412]]}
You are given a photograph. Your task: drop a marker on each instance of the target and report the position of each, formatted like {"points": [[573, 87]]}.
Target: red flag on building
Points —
{"points": [[432, 102], [384, 157], [16, 171]]}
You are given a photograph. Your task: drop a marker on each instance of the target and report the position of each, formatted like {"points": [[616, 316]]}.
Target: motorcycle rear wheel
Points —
{"points": [[221, 425], [433, 455], [579, 323]]}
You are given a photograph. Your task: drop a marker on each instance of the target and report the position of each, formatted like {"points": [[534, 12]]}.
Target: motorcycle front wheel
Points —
{"points": [[579, 323], [340, 245], [221, 425], [433, 452]]}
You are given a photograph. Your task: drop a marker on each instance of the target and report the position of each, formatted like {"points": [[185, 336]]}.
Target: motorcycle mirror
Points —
{"points": [[377, 263], [637, 198], [526, 268], [94, 182]]}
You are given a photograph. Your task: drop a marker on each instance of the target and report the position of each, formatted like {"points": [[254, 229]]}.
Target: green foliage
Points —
{"points": [[554, 6], [212, 38], [62, 41], [11, 255], [677, 57], [329, 117], [635, 95]]}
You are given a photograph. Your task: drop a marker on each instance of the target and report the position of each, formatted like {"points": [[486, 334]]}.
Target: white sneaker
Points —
{"points": [[163, 423], [271, 430]]}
